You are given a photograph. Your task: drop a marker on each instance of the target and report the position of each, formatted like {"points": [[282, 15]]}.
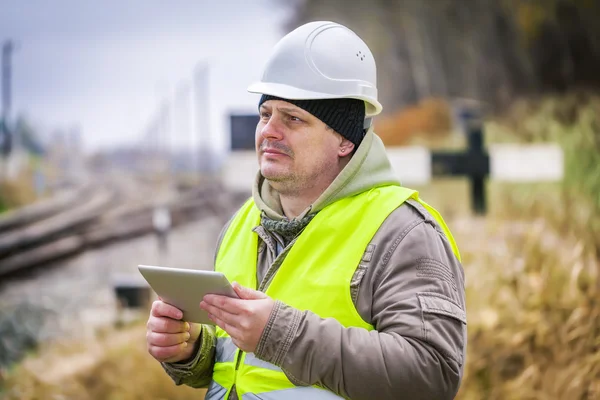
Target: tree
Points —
{"points": [[487, 50]]}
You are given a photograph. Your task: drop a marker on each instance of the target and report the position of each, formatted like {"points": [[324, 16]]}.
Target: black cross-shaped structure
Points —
{"points": [[473, 163]]}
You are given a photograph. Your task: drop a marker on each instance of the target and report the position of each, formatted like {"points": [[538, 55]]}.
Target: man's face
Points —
{"points": [[295, 149]]}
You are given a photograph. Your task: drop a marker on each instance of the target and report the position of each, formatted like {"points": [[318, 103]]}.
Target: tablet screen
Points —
{"points": [[185, 288]]}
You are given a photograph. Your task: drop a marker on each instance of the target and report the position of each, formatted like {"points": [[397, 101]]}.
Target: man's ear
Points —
{"points": [[345, 148]]}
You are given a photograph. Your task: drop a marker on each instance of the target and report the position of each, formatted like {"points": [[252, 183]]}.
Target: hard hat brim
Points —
{"points": [[293, 93]]}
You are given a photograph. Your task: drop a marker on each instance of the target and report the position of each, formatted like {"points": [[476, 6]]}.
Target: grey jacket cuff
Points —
{"points": [[178, 371], [279, 333]]}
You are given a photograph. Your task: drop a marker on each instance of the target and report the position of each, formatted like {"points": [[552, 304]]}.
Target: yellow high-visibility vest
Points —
{"points": [[315, 276]]}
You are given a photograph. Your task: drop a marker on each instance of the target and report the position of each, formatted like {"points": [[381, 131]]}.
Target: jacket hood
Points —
{"points": [[368, 168]]}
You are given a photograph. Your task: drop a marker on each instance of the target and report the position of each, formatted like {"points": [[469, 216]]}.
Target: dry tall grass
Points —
{"points": [[16, 193], [533, 288], [534, 314], [117, 367], [18, 190]]}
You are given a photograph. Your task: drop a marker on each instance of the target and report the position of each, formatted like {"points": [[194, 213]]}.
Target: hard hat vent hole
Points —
{"points": [[360, 55]]}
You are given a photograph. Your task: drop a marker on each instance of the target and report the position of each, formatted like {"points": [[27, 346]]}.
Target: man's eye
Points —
{"points": [[265, 115], [295, 118]]}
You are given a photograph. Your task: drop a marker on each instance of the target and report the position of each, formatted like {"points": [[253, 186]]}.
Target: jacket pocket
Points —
{"points": [[444, 325]]}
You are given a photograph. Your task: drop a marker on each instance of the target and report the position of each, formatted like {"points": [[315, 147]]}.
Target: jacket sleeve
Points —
{"points": [[196, 372], [413, 294]]}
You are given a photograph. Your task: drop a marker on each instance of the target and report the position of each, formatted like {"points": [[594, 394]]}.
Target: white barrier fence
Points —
{"points": [[508, 162]]}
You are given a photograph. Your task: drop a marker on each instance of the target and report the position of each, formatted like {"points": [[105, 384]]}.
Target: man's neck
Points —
{"points": [[294, 205]]}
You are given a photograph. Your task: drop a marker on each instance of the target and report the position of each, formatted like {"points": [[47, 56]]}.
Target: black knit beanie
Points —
{"points": [[345, 116]]}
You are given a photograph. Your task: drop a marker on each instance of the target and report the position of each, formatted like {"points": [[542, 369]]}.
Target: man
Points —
{"points": [[350, 286]]}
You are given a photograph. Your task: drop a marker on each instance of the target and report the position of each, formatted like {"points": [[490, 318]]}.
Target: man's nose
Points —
{"points": [[272, 130]]}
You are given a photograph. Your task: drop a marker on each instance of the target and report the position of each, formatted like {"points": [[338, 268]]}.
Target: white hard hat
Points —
{"points": [[321, 60]]}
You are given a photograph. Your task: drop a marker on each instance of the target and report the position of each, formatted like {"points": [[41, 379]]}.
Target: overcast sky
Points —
{"points": [[105, 66]]}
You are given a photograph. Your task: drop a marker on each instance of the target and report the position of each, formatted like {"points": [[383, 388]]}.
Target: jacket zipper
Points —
{"points": [[275, 267], [237, 365], [262, 287]]}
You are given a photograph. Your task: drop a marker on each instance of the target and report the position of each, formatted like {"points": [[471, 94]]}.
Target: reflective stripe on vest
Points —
{"points": [[330, 248], [297, 393], [225, 352], [225, 349], [215, 391]]}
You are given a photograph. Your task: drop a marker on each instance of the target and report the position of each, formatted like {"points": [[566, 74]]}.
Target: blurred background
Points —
{"points": [[126, 137]]}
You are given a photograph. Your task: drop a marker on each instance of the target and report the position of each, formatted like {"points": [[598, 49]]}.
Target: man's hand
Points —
{"points": [[244, 319], [169, 339]]}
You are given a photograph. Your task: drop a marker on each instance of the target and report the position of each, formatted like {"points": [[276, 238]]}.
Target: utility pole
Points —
{"points": [[202, 119], [6, 138], [7, 49], [164, 138], [182, 126]]}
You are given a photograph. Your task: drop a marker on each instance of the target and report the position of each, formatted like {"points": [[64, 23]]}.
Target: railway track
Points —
{"points": [[92, 216], [66, 198]]}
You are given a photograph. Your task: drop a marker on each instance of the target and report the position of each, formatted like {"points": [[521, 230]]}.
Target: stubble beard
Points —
{"points": [[285, 183], [293, 183]]}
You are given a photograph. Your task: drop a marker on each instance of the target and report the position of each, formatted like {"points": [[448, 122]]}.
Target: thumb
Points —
{"points": [[247, 293]]}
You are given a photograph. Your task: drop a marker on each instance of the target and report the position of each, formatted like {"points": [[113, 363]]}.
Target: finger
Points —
{"points": [[218, 312], [231, 329], [162, 309], [195, 330], [166, 339], [247, 293], [163, 354], [167, 325], [231, 305]]}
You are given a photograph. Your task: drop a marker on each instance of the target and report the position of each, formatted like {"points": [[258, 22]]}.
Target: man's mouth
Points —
{"points": [[275, 149], [273, 152]]}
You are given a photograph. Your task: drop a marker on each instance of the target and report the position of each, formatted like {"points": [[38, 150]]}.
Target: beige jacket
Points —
{"points": [[408, 285]]}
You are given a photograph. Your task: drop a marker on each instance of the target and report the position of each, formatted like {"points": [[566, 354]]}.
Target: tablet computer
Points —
{"points": [[185, 288]]}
